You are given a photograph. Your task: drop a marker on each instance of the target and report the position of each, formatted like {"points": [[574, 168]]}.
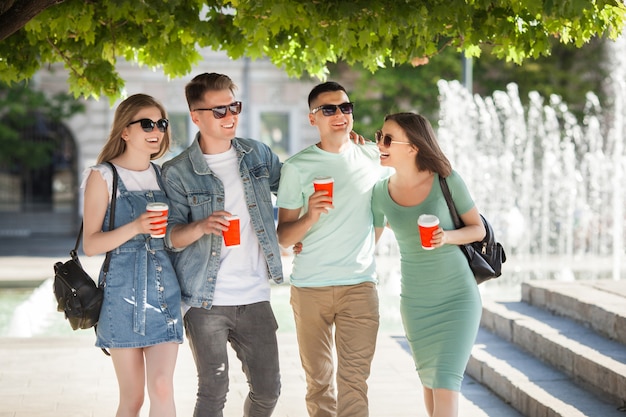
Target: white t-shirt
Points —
{"points": [[242, 277]]}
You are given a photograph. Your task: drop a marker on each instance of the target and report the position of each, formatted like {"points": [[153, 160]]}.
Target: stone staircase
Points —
{"points": [[560, 351]]}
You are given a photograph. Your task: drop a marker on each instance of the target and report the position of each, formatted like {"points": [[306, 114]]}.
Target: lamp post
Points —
{"points": [[467, 73]]}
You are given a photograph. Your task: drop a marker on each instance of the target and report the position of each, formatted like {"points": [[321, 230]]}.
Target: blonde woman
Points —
{"points": [[140, 321]]}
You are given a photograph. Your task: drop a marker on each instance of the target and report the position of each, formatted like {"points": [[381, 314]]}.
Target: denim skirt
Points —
{"points": [[141, 298]]}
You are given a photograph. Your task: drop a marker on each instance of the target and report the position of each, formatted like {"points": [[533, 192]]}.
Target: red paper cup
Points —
{"points": [[231, 235], [158, 229], [325, 184], [427, 224]]}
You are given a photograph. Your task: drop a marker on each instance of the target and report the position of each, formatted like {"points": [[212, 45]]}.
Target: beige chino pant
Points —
{"points": [[352, 311]]}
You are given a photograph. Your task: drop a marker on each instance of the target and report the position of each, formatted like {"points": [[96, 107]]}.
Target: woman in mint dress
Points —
{"points": [[440, 303]]}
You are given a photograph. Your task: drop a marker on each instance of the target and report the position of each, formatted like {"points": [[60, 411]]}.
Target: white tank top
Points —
{"points": [[133, 180]]}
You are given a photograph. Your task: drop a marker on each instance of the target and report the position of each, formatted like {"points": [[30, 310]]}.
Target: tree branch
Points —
{"points": [[20, 13]]}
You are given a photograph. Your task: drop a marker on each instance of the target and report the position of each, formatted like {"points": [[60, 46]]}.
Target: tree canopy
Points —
{"points": [[88, 37], [568, 72]]}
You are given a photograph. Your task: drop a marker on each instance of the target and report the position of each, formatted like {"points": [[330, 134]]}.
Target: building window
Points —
{"points": [[275, 132], [179, 125], [179, 128]]}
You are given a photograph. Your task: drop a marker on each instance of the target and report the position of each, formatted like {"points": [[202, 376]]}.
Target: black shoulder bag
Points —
{"points": [[485, 257], [76, 292]]}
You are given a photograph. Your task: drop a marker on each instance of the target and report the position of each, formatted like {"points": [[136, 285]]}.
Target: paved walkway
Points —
{"points": [[66, 376]]}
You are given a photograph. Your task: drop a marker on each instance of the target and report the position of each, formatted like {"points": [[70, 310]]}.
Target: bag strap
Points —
{"points": [[74, 252], [458, 223], [107, 259]]}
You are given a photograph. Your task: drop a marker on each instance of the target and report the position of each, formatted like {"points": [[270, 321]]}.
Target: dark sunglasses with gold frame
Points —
{"points": [[386, 139]]}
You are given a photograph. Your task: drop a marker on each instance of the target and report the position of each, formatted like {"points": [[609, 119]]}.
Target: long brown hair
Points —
{"points": [[124, 114], [421, 134]]}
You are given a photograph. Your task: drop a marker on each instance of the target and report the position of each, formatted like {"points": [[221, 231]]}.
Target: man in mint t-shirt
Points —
{"points": [[333, 282]]}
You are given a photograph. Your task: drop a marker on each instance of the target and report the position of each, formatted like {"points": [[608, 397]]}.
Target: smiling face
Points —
{"points": [[138, 140], [337, 125], [215, 132], [399, 152]]}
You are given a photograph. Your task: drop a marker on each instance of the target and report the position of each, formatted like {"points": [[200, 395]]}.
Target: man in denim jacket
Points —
{"points": [[225, 289]]}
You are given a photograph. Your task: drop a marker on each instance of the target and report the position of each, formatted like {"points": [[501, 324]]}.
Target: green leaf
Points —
{"points": [[301, 37]]}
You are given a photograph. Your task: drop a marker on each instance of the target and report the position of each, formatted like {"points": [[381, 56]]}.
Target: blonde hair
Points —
{"points": [[124, 114]]}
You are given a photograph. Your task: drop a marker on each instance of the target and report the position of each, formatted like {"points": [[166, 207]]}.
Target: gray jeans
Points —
{"points": [[251, 331]]}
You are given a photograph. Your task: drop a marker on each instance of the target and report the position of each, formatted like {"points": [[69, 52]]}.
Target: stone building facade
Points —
{"points": [[274, 111]]}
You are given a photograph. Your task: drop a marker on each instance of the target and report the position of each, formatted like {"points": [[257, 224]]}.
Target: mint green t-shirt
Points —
{"points": [[339, 248]]}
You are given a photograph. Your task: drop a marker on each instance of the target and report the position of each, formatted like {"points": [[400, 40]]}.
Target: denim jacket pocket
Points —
{"points": [[200, 205], [260, 172], [198, 199], [260, 175]]}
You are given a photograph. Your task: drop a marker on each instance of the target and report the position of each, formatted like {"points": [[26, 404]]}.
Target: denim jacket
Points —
{"points": [[195, 192]]}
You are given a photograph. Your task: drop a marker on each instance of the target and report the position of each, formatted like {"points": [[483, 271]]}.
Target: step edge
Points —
{"points": [[526, 396], [569, 357]]}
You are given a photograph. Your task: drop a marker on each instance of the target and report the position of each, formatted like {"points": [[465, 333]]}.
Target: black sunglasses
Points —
{"points": [[148, 125], [331, 109], [219, 112], [387, 141]]}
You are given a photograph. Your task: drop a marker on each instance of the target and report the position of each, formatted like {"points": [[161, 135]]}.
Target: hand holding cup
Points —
{"points": [[158, 226], [322, 199], [232, 235], [324, 184], [427, 225]]}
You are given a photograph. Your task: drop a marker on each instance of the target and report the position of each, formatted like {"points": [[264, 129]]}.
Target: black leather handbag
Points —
{"points": [[486, 256], [76, 292]]}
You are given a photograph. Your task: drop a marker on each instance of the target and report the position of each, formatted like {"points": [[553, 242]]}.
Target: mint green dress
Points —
{"points": [[439, 300]]}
